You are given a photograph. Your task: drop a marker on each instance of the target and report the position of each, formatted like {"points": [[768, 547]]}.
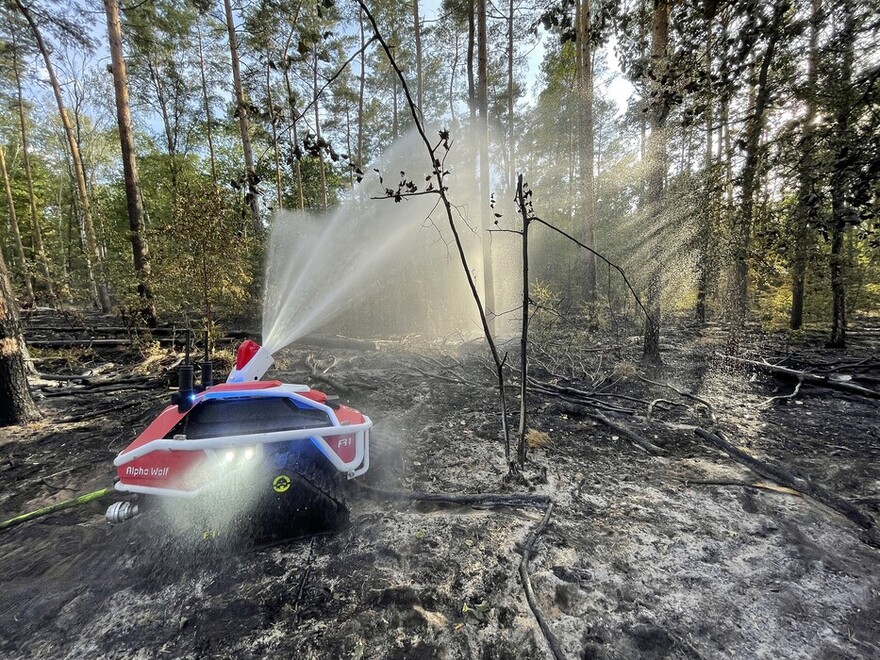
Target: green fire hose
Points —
{"points": [[52, 508]]}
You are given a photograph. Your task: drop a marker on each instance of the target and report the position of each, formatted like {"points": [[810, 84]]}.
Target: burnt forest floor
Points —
{"points": [[684, 555]]}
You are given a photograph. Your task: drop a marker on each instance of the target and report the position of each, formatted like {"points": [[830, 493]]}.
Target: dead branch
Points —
{"points": [[65, 377], [15, 489], [807, 377], [104, 389], [743, 484], [683, 393], [70, 343], [460, 499], [657, 402], [802, 484], [784, 396], [552, 642], [322, 377], [633, 437], [581, 401]]}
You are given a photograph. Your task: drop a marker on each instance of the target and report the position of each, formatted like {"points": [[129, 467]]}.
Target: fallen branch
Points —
{"points": [[783, 397], [322, 377], [785, 478], [633, 437], [463, 499], [657, 402], [807, 377], [125, 387], [65, 377], [69, 343], [552, 642], [743, 484], [579, 400], [687, 395]]}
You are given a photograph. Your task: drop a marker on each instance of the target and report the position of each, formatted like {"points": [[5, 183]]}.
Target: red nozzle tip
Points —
{"points": [[246, 350]]}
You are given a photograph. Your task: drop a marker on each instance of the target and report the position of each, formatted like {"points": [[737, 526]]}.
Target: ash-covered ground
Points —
{"points": [[641, 557]]}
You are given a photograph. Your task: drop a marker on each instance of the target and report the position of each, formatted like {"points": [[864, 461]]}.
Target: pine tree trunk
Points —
{"points": [[511, 135], [738, 296], [656, 151], [170, 140], [39, 250], [362, 83], [417, 33], [807, 201], [94, 261], [472, 88], [586, 165], [315, 104], [252, 194], [134, 205], [294, 117], [838, 285], [705, 238], [16, 233], [16, 404], [483, 130], [841, 178], [273, 121], [206, 106]]}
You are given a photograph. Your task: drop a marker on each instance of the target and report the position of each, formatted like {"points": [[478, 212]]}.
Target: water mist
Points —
{"points": [[380, 266]]}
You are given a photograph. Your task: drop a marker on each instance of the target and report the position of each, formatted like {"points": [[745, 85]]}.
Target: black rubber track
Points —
{"points": [[314, 502], [247, 511]]}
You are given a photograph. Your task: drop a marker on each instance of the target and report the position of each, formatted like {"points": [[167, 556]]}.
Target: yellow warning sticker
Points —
{"points": [[281, 483]]}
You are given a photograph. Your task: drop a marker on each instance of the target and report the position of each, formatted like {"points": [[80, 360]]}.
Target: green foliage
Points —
{"points": [[204, 251]]}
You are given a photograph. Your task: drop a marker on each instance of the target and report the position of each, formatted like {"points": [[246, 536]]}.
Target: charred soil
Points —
{"points": [[684, 555]]}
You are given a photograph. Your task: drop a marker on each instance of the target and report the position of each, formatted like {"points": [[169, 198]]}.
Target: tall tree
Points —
{"points": [[706, 227], [844, 101], [659, 105], [808, 201], [134, 204], [36, 229], [16, 232], [94, 260], [417, 32], [771, 29], [16, 404], [206, 105], [241, 109], [483, 136], [585, 138]]}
